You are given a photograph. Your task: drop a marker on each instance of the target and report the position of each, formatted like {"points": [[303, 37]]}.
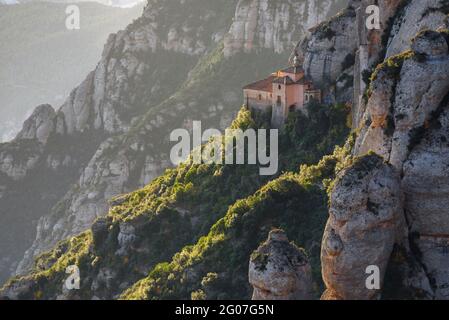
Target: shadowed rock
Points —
{"points": [[360, 232], [279, 270]]}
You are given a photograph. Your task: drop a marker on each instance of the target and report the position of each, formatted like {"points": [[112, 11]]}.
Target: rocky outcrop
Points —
{"points": [[18, 158], [40, 125], [364, 216], [406, 123], [372, 44], [400, 21], [264, 24], [279, 270], [414, 18], [329, 48], [395, 116], [328, 52], [425, 184], [22, 155]]}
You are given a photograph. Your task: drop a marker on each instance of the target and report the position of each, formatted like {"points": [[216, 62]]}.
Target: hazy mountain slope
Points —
{"points": [[388, 208], [110, 101], [385, 210], [186, 201], [211, 93], [42, 60], [139, 68]]}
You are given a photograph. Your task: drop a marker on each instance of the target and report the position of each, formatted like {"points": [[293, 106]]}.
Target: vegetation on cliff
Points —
{"points": [[201, 216]]}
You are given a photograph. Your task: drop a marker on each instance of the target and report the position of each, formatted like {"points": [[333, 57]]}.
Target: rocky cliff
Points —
{"points": [[208, 257], [171, 66], [268, 24], [386, 200], [279, 270], [42, 61], [403, 120], [140, 67], [361, 230]]}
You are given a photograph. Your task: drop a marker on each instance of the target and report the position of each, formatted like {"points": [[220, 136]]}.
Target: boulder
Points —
{"points": [[279, 270]]}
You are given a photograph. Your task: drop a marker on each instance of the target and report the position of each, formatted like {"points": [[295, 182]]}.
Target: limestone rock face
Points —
{"points": [[274, 24], [416, 16], [364, 216], [371, 43], [278, 270], [426, 187], [406, 124], [394, 117], [430, 44], [18, 158], [22, 155], [329, 46], [40, 125]]}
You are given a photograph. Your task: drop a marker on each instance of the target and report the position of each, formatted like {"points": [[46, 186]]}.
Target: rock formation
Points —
{"points": [[40, 125], [264, 24], [388, 207], [99, 143], [404, 120], [329, 46], [279, 270], [365, 211]]}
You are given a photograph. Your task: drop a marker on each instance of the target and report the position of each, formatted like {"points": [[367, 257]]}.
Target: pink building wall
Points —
{"points": [[258, 99]]}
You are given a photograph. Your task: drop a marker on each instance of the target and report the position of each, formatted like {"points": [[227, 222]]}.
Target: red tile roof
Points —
{"points": [[262, 85]]}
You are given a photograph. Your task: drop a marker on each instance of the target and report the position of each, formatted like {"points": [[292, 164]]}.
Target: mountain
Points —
{"points": [[43, 60], [362, 183], [188, 201], [367, 182], [179, 62], [396, 218]]}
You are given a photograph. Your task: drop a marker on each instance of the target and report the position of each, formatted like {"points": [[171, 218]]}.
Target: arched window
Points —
{"points": [[279, 87]]}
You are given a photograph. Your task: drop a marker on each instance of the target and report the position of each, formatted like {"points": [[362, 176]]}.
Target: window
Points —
{"points": [[307, 98], [260, 97], [279, 100], [279, 87]]}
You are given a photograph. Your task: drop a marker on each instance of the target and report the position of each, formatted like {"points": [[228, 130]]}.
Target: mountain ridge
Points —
{"points": [[44, 60], [104, 108]]}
